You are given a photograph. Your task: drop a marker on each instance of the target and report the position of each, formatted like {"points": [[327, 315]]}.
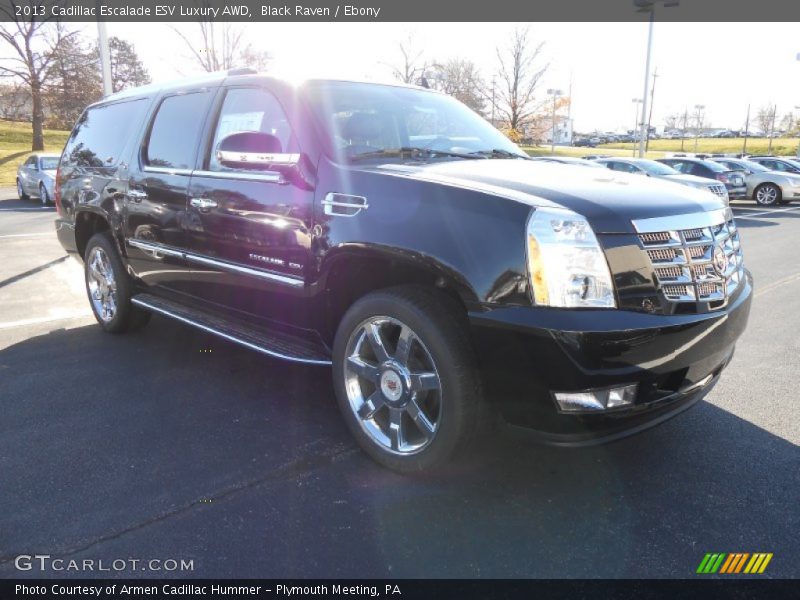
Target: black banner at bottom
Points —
{"points": [[404, 589]]}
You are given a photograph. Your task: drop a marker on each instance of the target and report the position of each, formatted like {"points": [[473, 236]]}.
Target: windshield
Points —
{"points": [[382, 121], [48, 163], [656, 168]]}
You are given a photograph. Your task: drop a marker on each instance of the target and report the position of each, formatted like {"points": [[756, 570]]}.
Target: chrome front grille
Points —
{"points": [[718, 189], [696, 257]]}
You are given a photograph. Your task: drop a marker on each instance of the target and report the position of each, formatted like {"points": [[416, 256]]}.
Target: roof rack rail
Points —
{"points": [[242, 71]]}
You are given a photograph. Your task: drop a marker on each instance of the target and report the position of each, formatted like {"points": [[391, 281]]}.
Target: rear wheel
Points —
{"points": [[405, 378], [109, 287], [768, 194], [21, 192]]}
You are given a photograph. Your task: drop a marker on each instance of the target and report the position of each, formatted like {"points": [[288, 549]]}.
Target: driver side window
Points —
{"points": [[252, 110]]}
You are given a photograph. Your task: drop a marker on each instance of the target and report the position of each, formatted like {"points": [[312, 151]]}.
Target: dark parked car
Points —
{"points": [[584, 142], [393, 235], [733, 180]]}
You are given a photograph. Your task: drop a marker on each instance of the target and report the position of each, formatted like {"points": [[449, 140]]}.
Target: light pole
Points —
{"points": [[649, 6], [637, 102], [555, 94], [105, 57], [699, 108]]}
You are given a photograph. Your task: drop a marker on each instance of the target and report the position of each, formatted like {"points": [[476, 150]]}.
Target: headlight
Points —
{"points": [[566, 266]]}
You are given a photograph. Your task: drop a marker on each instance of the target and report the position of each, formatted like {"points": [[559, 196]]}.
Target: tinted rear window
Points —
{"points": [[712, 166], [100, 134], [176, 131]]}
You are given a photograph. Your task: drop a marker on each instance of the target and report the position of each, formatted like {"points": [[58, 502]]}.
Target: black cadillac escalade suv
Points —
{"points": [[390, 233]]}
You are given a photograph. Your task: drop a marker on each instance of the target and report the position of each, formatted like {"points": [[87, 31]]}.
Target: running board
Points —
{"points": [[276, 344]]}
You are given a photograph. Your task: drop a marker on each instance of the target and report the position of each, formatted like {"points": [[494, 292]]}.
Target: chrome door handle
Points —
{"points": [[203, 203], [344, 205]]}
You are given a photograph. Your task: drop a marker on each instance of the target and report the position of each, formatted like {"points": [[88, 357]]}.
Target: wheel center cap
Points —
{"points": [[391, 385]]}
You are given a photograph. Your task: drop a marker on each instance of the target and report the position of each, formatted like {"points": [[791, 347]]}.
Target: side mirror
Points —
{"points": [[257, 151]]}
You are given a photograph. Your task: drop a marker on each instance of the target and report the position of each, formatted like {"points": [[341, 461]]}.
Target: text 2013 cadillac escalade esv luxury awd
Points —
{"points": [[389, 232]]}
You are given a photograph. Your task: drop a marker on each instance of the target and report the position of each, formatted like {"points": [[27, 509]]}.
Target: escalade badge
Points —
{"points": [[720, 261]]}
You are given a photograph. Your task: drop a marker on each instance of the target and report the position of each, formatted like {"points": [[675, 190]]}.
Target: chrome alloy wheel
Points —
{"points": [[102, 285], [20, 191], [767, 194], [392, 384]]}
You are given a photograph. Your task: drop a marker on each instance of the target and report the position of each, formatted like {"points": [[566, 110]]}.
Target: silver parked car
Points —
{"points": [[36, 176], [652, 168], [765, 186]]}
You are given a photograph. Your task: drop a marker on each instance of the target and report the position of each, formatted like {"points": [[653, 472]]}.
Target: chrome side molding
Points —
{"points": [[157, 249]]}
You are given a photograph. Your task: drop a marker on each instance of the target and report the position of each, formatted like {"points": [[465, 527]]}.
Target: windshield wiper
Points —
{"points": [[499, 153], [412, 152]]}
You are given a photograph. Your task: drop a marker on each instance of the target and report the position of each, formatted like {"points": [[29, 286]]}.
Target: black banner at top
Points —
{"points": [[399, 11]]}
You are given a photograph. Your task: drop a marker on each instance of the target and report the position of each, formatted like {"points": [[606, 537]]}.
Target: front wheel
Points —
{"points": [[109, 287], [768, 194], [406, 379]]}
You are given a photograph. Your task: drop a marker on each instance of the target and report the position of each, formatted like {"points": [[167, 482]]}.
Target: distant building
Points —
{"points": [[563, 132]]}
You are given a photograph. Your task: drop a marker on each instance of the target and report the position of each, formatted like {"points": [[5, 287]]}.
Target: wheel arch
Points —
{"points": [[88, 223], [353, 271]]}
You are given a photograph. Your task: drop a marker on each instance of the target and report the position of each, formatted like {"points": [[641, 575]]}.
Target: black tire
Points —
{"points": [[44, 197], [126, 316], [20, 193], [435, 320], [768, 194]]}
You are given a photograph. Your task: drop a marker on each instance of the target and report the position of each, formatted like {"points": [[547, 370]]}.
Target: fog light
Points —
{"points": [[596, 400]]}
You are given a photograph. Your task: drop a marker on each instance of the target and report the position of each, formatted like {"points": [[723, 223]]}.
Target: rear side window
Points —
{"points": [[175, 133], [99, 136]]}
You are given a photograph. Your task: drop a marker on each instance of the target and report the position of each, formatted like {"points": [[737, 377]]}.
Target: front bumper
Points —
{"points": [[528, 353]]}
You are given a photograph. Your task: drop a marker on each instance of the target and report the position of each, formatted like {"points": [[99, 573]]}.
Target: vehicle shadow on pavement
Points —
{"points": [[171, 443]]}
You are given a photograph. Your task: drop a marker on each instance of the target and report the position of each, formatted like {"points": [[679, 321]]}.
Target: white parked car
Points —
{"points": [[36, 177]]}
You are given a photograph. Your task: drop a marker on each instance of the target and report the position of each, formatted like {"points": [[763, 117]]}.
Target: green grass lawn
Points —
{"points": [[15, 147], [658, 148]]}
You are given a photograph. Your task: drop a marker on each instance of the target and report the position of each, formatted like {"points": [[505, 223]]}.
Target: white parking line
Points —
{"points": [[24, 322], [765, 212], [19, 235]]}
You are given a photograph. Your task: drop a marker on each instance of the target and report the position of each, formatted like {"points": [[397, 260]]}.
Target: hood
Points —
{"points": [[691, 180], [608, 199]]}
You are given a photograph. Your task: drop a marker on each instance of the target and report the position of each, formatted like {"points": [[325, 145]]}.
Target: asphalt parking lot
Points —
{"points": [[171, 444]]}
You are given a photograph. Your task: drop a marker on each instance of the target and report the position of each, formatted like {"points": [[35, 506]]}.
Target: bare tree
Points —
{"points": [[698, 119], [518, 76], [765, 118], [222, 46], [34, 44], [412, 66], [460, 78], [672, 121]]}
